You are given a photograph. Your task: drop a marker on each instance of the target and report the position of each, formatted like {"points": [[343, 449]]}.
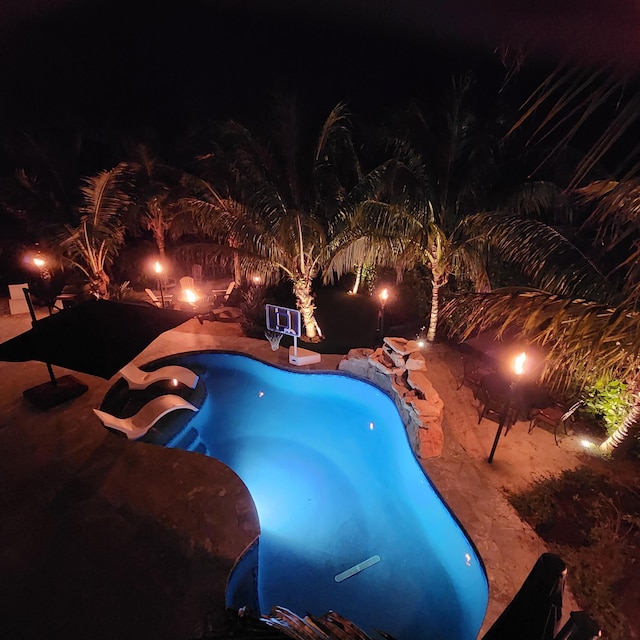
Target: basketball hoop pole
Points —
{"points": [[295, 346]]}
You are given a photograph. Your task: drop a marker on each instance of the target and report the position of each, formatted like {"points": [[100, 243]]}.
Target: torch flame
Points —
{"points": [[518, 363], [157, 267]]}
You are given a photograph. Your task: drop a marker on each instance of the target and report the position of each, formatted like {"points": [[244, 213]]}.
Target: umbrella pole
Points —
{"points": [[32, 313]]}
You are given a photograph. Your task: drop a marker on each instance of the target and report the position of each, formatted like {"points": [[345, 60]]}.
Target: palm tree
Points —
{"points": [[285, 203], [156, 190], [91, 245], [441, 218]]}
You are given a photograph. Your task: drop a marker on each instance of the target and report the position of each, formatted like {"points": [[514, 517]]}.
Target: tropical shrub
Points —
{"points": [[608, 400]]}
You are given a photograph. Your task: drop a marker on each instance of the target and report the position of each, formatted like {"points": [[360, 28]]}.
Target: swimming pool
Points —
{"points": [[349, 521]]}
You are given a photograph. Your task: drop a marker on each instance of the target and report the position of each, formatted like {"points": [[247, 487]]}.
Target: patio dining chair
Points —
{"points": [[554, 416], [494, 396]]}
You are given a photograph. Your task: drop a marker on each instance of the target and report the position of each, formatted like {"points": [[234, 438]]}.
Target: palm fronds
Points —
{"points": [[543, 254], [91, 245], [571, 100], [583, 339]]}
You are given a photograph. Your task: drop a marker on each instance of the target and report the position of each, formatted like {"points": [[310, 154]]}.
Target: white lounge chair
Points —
{"points": [[136, 426], [138, 379]]}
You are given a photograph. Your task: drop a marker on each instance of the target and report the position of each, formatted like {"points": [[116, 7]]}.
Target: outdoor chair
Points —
{"points": [[472, 373], [221, 296], [554, 416], [196, 273], [187, 282], [168, 299], [138, 425], [497, 395], [138, 379], [475, 366]]}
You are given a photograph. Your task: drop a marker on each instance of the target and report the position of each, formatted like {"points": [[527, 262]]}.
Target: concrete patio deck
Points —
{"points": [[105, 538]]}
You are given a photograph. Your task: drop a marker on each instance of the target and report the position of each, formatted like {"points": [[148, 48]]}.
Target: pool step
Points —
{"points": [[200, 448], [184, 440]]}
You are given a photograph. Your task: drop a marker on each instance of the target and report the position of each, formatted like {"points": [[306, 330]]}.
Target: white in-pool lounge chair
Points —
{"points": [[138, 379], [136, 426]]}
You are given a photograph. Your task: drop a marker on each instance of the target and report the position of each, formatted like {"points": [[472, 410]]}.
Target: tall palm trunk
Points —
{"points": [[237, 271], [619, 441], [435, 303], [237, 267], [356, 284], [157, 224], [304, 303], [159, 238]]}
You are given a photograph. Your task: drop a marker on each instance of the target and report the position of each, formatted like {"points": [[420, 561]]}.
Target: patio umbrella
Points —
{"points": [[97, 337]]}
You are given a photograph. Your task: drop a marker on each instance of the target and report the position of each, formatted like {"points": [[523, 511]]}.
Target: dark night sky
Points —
{"points": [[590, 30], [100, 52], [136, 62]]}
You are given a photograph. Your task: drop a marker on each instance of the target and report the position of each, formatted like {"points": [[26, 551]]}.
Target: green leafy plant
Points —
{"points": [[120, 291], [609, 401]]}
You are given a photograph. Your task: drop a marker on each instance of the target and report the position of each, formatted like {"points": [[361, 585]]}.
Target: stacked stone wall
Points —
{"points": [[400, 369]]}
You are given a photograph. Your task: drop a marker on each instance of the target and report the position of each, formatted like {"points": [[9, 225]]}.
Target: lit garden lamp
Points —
{"points": [[383, 296], [508, 416], [159, 269]]}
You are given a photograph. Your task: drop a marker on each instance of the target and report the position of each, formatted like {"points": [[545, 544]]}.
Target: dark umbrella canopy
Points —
{"points": [[97, 337]]}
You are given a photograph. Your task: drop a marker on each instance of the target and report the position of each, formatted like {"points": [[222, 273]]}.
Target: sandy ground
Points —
{"points": [[473, 488]]}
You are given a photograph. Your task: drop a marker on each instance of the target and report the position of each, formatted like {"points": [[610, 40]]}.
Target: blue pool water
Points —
{"points": [[349, 521]]}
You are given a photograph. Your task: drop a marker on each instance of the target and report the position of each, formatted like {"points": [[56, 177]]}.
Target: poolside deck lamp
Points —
{"points": [[159, 269], [508, 416]]}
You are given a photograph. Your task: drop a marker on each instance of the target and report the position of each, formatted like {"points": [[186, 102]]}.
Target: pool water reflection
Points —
{"points": [[349, 521]]}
